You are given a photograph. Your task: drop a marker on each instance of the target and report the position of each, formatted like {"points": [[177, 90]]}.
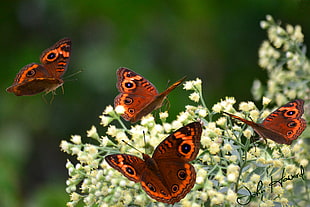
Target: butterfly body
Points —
{"points": [[283, 125], [167, 176], [35, 78], [138, 96]]}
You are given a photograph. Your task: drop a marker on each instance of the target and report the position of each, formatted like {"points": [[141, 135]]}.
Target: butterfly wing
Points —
{"points": [[130, 166], [172, 156], [135, 93], [286, 121], [56, 58], [32, 79], [182, 145], [156, 102], [170, 182]]}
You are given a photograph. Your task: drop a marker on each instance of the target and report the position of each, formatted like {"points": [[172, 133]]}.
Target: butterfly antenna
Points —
{"points": [[132, 146], [168, 83], [74, 74], [68, 77], [167, 104], [144, 142]]}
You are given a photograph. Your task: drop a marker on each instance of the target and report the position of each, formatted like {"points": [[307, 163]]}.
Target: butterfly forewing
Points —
{"points": [[130, 82], [183, 144], [57, 57]]}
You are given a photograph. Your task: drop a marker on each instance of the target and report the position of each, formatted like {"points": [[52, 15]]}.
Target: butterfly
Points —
{"points": [[283, 125], [35, 78], [167, 176], [137, 95]]}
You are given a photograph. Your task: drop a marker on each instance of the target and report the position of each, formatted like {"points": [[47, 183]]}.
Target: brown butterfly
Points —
{"points": [[283, 125], [36, 78], [138, 95], [167, 176]]}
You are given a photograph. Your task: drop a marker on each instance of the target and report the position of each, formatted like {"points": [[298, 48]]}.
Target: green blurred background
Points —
{"points": [[162, 40]]}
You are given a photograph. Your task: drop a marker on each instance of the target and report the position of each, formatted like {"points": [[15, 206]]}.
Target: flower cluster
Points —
{"points": [[233, 168], [283, 55]]}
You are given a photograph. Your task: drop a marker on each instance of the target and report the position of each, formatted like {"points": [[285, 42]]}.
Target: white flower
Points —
{"points": [[108, 110], [121, 136], [217, 199], [192, 85], [76, 139], [298, 35], [221, 121], [217, 108], [163, 115], [227, 147], [214, 148], [201, 176], [188, 85], [304, 162], [119, 109], [65, 146], [265, 113], [232, 172], [167, 127], [255, 178], [197, 83], [92, 132], [112, 131], [183, 116], [91, 150], [105, 120], [176, 124], [148, 120], [202, 112], [247, 133], [194, 97], [269, 18], [246, 106], [205, 141], [264, 24], [231, 196], [266, 101], [254, 114], [104, 141]]}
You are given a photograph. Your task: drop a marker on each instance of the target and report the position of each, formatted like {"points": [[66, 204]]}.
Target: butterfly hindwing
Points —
{"points": [[130, 166]]}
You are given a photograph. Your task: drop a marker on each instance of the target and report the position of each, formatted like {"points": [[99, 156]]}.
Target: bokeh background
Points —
{"points": [[216, 41]]}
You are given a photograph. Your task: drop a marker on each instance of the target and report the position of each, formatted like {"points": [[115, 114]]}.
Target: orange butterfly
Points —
{"points": [[283, 125]]}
